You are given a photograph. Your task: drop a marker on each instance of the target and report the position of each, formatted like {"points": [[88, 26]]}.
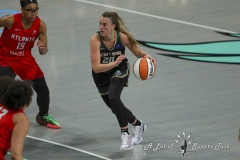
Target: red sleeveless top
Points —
{"points": [[16, 44], [6, 128]]}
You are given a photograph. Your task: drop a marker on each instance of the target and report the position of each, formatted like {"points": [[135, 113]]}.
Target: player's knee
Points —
{"points": [[113, 99]]}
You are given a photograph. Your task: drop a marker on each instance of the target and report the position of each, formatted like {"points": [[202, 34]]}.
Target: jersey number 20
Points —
{"points": [[108, 59]]}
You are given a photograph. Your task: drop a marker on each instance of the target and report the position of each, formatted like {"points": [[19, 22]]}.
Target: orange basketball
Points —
{"points": [[144, 68]]}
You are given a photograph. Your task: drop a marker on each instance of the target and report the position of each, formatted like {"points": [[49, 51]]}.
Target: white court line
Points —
{"points": [[65, 146], [154, 16]]}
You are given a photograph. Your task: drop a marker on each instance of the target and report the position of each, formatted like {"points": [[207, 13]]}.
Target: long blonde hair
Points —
{"points": [[120, 26]]}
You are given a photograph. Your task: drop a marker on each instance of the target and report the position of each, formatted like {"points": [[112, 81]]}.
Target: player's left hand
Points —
{"points": [[42, 47]]}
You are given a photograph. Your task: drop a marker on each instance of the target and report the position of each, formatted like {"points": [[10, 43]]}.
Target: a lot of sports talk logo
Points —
{"points": [[185, 144], [6, 12], [227, 52]]}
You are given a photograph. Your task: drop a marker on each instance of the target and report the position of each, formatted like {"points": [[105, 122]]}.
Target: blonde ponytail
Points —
{"points": [[120, 26]]}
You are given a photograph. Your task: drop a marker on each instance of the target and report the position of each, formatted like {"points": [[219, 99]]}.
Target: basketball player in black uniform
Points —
{"points": [[110, 70]]}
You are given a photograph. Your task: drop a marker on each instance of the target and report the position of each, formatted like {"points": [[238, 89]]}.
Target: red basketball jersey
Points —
{"points": [[6, 128], [16, 44]]}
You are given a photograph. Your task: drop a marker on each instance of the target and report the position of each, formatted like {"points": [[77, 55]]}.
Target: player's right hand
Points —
{"points": [[120, 59]]}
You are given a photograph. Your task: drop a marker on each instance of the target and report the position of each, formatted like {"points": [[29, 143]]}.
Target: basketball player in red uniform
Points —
{"points": [[110, 70], [17, 40], [15, 96]]}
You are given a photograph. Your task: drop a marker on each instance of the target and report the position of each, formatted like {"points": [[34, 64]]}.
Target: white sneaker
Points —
{"points": [[127, 142], [137, 133]]}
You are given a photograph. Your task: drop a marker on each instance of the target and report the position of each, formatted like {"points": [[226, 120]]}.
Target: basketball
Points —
{"points": [[144, 69]]}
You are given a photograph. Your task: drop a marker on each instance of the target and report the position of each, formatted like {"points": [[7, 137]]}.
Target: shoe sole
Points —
{"points": [[53, 126], [127, 148]]}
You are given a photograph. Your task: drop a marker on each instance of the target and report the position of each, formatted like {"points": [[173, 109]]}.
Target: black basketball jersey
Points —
{"points": [[107, 56], [110, 55]]}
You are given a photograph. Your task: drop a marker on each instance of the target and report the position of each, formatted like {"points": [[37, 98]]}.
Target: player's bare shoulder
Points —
{"points": [[124, 38], [43, 27], [42, 23], [7, 21], [95, 37]]}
